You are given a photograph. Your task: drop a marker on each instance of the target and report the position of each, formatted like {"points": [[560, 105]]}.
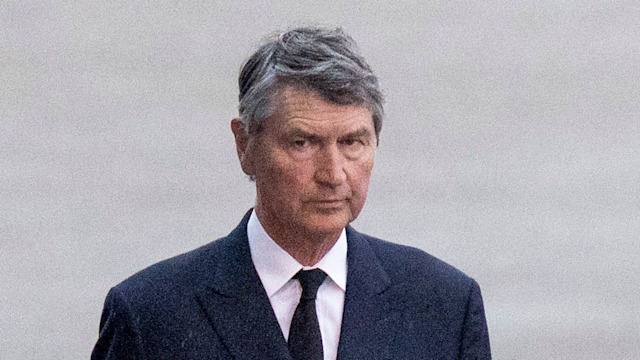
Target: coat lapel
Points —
{"points": [[240, 312], [369, 321], [237, 304]]}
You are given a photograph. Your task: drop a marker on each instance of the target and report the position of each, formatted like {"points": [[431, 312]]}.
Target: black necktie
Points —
{"points": [[305, 340]]}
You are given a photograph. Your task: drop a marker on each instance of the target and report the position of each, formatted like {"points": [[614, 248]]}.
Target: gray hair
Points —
{"points": [[320, 60]]}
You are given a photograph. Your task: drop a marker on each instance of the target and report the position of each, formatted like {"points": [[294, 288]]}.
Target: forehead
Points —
{"points": [[294, 109]]}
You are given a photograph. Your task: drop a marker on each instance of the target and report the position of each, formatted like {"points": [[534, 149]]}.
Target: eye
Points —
{"points": [[352, 142], [300, 143]]}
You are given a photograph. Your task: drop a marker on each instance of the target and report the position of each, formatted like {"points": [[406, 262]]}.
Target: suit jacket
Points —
{"points": [[400, 303]]}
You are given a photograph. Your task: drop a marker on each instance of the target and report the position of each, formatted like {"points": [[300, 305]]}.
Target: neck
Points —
{"points": [[307, 248], [307, 253]]}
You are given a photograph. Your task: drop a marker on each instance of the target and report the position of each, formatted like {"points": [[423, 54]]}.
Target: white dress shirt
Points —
{"points": [[276, 268]]}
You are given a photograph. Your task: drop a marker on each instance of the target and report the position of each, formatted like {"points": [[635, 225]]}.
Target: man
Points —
{"points": [[294, 280]]}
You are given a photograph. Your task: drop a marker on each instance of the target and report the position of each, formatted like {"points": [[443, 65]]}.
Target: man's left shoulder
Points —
{"points": [[407, 264], [433, 298]]}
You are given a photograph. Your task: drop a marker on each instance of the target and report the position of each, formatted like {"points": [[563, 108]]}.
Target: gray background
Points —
{"points": [[510, 149]]}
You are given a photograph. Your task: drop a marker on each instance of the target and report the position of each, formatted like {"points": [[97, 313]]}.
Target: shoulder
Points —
{"points": [[192, 270], [161, 304], [174, 279], [433, 297], [415, 267], [179, 274]]}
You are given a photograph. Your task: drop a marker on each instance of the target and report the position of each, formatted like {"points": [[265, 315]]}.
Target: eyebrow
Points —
{"points": [[299, 133], [361, 132]]}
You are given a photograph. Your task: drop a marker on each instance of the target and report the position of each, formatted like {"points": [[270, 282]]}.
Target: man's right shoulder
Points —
{"points": [[177, 274], [189, 271], [161, 303]]}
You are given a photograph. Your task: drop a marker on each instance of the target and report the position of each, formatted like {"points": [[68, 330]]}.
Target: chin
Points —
{"points": [[328, 224]]}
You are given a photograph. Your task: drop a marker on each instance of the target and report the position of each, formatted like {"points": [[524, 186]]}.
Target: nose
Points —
{"points": [[330, 167]]}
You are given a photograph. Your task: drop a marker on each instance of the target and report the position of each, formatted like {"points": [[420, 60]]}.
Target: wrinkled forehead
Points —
{"points": [[307, 115], [292, 101], [286, 89], [299, 97]]}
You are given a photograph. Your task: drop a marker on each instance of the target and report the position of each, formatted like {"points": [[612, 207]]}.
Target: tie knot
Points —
{"points": [[310, 281]]}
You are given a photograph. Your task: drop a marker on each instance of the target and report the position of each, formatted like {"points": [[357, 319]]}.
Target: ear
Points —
{"points": [[241, 137]]}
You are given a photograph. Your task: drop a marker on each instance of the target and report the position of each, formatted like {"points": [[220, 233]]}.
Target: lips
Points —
{"points": [[328, 201]]}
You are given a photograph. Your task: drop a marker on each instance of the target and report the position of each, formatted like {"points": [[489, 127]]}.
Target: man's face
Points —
{"points": [[312, 162]]}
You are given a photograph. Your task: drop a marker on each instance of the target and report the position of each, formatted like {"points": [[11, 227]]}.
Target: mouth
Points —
{"points": [[329, 203], [329, 207]]}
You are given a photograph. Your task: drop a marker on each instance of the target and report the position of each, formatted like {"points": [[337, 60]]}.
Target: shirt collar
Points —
{"points": [[276, 267]]}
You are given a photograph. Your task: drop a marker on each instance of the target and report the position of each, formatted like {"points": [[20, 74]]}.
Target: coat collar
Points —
{"points": [[240, 312], [368, 322], [237, 305]]}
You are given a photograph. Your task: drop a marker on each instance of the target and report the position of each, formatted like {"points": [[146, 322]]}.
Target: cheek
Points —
{"points": [[287, 177], [359, 198], [361, 176]]}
